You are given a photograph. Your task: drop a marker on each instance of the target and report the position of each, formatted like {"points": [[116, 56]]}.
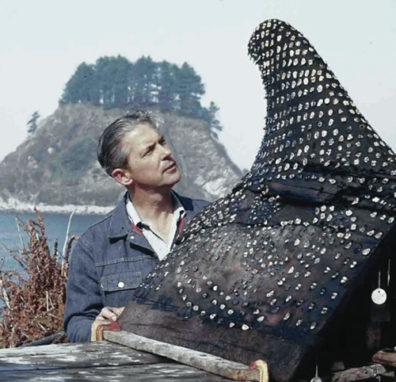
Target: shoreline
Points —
{"points": [[22, 207]]}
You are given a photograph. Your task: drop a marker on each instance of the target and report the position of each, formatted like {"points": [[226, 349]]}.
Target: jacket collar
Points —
{"points": [[120, 225], [187, 204]]}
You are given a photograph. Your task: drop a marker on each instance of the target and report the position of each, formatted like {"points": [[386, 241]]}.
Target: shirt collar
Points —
{"points": [[178, 210], [132, 213]]}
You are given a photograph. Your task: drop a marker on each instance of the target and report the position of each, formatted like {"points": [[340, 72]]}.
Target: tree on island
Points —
{"points": [[115, 82], [32, 123], [189, 88], [144, 83], [166, 77], [112, 78], [212, 118]]}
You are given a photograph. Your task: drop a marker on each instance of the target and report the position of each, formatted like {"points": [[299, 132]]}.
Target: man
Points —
{"points": [[113, 256]]}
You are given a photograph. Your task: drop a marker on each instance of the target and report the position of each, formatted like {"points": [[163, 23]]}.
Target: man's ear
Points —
{"points": [[122, 176]]}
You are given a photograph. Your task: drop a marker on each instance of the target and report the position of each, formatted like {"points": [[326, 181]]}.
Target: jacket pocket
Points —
{"points": [[120, 281]]}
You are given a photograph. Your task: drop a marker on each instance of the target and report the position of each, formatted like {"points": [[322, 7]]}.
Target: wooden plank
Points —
{"points": [[385, 357], [137, 373], [359, 373], [200, 360], [80, 355]]}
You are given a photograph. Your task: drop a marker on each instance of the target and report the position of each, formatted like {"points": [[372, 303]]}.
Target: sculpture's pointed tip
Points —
{"points": [[313, 129]]}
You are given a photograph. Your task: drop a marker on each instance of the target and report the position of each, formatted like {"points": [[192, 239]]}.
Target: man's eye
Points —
{"points": [[148, 152], [162, 141]]}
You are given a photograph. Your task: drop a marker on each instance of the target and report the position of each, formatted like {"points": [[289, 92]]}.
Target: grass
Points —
{"points": [[34, 297]]}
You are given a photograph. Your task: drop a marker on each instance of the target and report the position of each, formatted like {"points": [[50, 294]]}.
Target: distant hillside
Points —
{"points": [[57, 164]]}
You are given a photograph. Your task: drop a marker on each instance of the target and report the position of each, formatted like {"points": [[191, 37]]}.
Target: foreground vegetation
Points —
{"points": [[34, 298]]}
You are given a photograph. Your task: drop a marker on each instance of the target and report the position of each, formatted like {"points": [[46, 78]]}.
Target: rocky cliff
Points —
{"points": [[57, 166]]}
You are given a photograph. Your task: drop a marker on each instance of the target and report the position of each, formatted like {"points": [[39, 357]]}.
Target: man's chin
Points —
{"points": [[174, 179]]}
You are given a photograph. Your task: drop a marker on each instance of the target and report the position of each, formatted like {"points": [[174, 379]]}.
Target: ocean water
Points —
{"points": [[55, 225]]}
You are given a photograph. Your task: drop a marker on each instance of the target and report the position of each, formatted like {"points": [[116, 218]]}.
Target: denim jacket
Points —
{"points": [[107, 264]]}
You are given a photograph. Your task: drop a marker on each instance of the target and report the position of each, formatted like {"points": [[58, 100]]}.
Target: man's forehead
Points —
{"points": [[141, 135]]}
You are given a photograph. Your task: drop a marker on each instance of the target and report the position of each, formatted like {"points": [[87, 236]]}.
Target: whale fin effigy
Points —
{"points": [[264, 272]]}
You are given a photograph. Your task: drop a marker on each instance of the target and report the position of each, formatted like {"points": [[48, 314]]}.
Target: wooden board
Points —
{"points": [[213, 364], [136, 373], [92, 362]]}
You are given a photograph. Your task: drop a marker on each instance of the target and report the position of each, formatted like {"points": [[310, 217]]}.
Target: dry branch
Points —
{"points": [[28, 299]]}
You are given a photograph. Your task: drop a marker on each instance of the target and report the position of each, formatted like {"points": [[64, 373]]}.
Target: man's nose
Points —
{"points": [[166, 151]]}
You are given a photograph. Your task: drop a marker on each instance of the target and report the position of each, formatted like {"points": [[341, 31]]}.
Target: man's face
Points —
{"points": [[150, 160]]}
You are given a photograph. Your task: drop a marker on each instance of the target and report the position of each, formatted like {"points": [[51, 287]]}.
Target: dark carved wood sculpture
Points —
{"points": [[264, 272]]}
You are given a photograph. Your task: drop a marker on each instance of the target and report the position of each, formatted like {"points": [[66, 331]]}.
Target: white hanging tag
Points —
{"points": [[378, 295], [316, 378]]}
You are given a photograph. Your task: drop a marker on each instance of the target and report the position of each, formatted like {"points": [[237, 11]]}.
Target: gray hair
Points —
{"points": [[111, 152]]}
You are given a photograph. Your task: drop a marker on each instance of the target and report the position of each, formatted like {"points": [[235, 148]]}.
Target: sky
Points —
{"points": [[43, 41]]}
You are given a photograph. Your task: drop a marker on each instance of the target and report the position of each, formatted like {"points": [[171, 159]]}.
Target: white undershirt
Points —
{"points": [[159, 245]]}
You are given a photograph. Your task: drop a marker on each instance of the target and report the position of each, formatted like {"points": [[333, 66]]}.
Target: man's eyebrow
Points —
{"points": [[147, 147]]}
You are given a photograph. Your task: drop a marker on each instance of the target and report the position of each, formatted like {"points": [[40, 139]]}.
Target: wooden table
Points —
{"points": [[94, 361]]}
